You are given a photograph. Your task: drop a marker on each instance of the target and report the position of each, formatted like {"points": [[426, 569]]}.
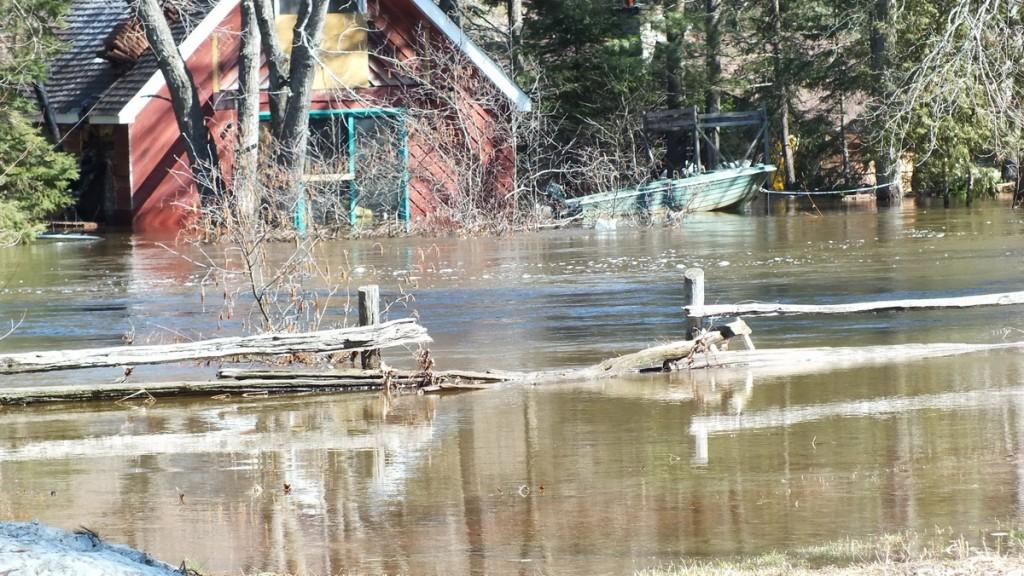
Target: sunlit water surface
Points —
{"points": [[580, 478]]}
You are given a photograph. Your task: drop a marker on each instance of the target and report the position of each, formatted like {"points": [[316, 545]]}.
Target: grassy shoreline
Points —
{"points": [[998, 553]]}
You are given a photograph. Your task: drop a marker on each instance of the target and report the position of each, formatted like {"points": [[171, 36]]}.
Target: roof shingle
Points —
{"points": [[81, 81]]}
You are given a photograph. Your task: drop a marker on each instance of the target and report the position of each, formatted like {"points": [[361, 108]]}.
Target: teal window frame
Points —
{"points": [[350, 115]]}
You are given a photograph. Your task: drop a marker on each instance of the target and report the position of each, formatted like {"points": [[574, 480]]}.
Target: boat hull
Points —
{"points": [[729, 189]]}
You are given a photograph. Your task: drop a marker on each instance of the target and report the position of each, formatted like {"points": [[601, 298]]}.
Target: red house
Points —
{"points": [[407, 112]]}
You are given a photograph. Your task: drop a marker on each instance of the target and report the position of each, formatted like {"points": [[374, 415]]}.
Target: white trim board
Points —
{"points": [[187, 48], [477, 56]]}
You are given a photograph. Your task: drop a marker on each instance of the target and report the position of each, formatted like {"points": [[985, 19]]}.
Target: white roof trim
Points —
{"points": [[475, 54], [187, 48]]}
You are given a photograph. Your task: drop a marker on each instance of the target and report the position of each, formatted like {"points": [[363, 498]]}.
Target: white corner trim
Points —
{"points": [[489, 67], [187, 48]]}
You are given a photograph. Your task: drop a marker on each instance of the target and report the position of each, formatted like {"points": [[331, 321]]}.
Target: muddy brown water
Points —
{"points": [[580, 478]]}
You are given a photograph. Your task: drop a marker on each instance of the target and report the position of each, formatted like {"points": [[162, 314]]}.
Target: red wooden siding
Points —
{"points": [[163, 198]]}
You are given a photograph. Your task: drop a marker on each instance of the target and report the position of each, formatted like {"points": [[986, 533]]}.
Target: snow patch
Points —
{"points": [[32, 548]]}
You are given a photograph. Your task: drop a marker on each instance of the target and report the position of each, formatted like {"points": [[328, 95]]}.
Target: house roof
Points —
{"points": [[125, 97], [487, 66], [82, 82], [79, 75]]}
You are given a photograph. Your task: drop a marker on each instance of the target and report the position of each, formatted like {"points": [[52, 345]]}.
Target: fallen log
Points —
{"points": [[395, 333], [126, 391], [777, 309], [656, 358], [356, 373], [666, 354], [649, 359], [240, 381], [797, 360]]}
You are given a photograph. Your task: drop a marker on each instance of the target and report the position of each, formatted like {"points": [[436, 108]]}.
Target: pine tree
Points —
{"points": [[34, 176]]}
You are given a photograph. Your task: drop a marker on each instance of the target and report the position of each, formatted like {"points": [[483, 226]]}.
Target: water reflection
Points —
{"points": [[582, 478]]}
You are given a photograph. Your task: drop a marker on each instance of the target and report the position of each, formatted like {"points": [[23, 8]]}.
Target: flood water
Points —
{"points": [[578, 478]]}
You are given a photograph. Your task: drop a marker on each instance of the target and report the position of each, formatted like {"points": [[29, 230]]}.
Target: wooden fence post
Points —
{"points": [[369, 314], [694, 293]]}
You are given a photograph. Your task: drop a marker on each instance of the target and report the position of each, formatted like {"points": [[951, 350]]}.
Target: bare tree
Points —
{"points": [[781, 88], [202, 153], [971, 68], [515, 33], [246, 194], [294, 135], [713, 65], [277, 64], [881, 41]]}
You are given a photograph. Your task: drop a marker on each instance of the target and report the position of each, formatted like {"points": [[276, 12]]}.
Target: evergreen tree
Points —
{"points": [[34, 177]]}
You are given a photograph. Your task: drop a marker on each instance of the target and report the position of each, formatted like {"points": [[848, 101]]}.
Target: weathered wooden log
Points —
{"points": [[238, 381], [655, 358], [355, 374], [797, 360], [395, 333], [775, 309], [122, 391]]}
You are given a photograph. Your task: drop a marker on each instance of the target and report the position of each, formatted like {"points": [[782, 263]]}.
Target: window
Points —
{"points": [[357, 168]]}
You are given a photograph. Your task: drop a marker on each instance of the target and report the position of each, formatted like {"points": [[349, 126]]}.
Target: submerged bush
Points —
{"points": [[34, 179]]}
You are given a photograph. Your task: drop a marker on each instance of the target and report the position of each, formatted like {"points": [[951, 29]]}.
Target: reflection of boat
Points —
{"points": [[693, 144], [725, 189], [66, 237]]}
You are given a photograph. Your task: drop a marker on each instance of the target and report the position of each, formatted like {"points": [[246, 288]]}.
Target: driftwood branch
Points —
{"points": [[774, 309], [666, 354], [390, 334], [657, 358]]}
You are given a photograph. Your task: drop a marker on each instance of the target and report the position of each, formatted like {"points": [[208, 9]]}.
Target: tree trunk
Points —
{"points": [[188, 110], [880, 40], [842, 137], [782, 93], [515, 33], [713, 64], [276, 62], [308, 34], [246, 185], [53, 131], [674, 97], [1018, 196]]}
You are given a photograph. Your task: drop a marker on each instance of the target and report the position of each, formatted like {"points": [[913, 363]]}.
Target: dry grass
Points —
{"points": [[894, 554]]}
